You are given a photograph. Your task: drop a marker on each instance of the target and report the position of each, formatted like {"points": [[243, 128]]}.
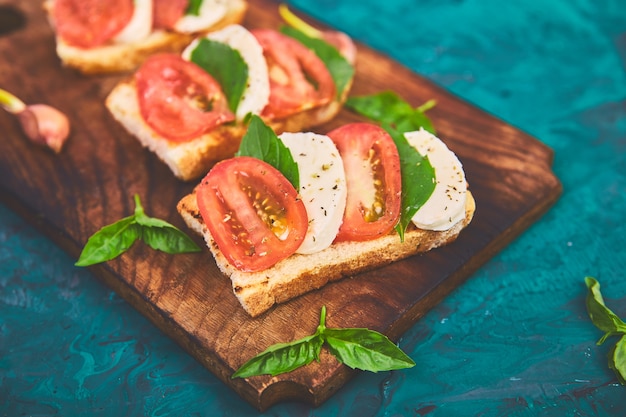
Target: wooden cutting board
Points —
{"points": [[91, 183]]}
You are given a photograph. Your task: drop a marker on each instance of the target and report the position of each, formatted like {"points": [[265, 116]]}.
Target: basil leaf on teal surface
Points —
{"points": [[116, 238], [418, 179], [261, 142], [357, 348], [607, 321], [366, 350], [340, 69], [388, 107], [617, 360], [601, 316], [226, 65], [193, 8]]}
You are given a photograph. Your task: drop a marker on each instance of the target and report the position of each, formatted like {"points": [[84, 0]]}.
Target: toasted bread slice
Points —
{"points": [[124, 57], [257, 292]]}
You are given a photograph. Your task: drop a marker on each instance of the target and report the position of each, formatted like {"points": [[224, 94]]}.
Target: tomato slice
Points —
{"points": [[166, 13], [178, 99], [372, 166], [299, 79], [89, 23], [253, 213]]}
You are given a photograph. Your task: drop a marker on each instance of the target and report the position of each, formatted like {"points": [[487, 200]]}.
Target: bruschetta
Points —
{"points": [[191, 109], [361, 199], [108, 36]]}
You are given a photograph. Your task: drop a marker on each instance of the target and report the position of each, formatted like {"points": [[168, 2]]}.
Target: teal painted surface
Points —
{"points": [[515, 340]]}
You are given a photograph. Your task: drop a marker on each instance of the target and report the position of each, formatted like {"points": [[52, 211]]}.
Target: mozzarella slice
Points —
{"points": [[257, 92], [140, 24], [446, 205], [210, 12], [322, 186]]}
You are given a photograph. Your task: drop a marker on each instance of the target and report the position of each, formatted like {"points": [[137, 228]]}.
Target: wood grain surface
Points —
{"points": [[92, 182]]}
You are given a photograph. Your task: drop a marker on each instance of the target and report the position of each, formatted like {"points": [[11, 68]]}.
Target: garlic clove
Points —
{"points": [[41, 123], [45, 125]]}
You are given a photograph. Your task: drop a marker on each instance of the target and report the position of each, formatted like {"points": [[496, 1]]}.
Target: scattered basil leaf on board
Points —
{"points": [[388, 107], [114, 239], [357, 348], [340, 69], [109, 242], [607, 321], [418, 179], [193, 8], [261, 142], [226, 65], [282, 357]]}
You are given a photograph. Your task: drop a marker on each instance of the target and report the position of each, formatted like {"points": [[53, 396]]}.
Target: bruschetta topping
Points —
{"points": [[178, 99]]}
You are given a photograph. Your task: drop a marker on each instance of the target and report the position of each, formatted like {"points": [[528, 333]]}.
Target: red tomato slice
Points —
{"points": [[372, 166], [178, 99], [299, 79], [253, 213], [166, 13], [90, 23]]}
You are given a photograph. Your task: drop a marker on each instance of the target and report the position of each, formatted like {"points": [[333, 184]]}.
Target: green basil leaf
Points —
{"points": [[168, 239], [261, 142], [226, 65], [418, 179], [617, 360], [358, 348], [109, 242], [282, 357], [601, 316], [115, 239], [193, 8], [340, 69], [161, 235], [387, 107], [366, 349]]}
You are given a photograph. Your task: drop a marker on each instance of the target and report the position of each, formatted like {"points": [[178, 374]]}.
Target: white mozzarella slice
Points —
{"points": [[322, 186], [140, 24], [257, 92], [210, 12], [446, 205]]}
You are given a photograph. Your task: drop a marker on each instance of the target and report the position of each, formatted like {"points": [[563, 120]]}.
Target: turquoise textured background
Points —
{"points": [[515, 340]]}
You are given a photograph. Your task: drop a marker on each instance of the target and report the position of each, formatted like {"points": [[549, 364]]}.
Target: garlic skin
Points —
{"points": [[45, 125]]}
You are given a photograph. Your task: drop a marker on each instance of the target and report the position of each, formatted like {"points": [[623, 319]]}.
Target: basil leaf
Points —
{"points": [[366, 349], [602, 317], [168, 239], [161, 235], [261, 142], [607, 321], [388, 107], [226, 65], [193, 8], [418, 179], [115, 239], [340, 69], [617, 360], [358, 348], [109, 242], [282, 357]]}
